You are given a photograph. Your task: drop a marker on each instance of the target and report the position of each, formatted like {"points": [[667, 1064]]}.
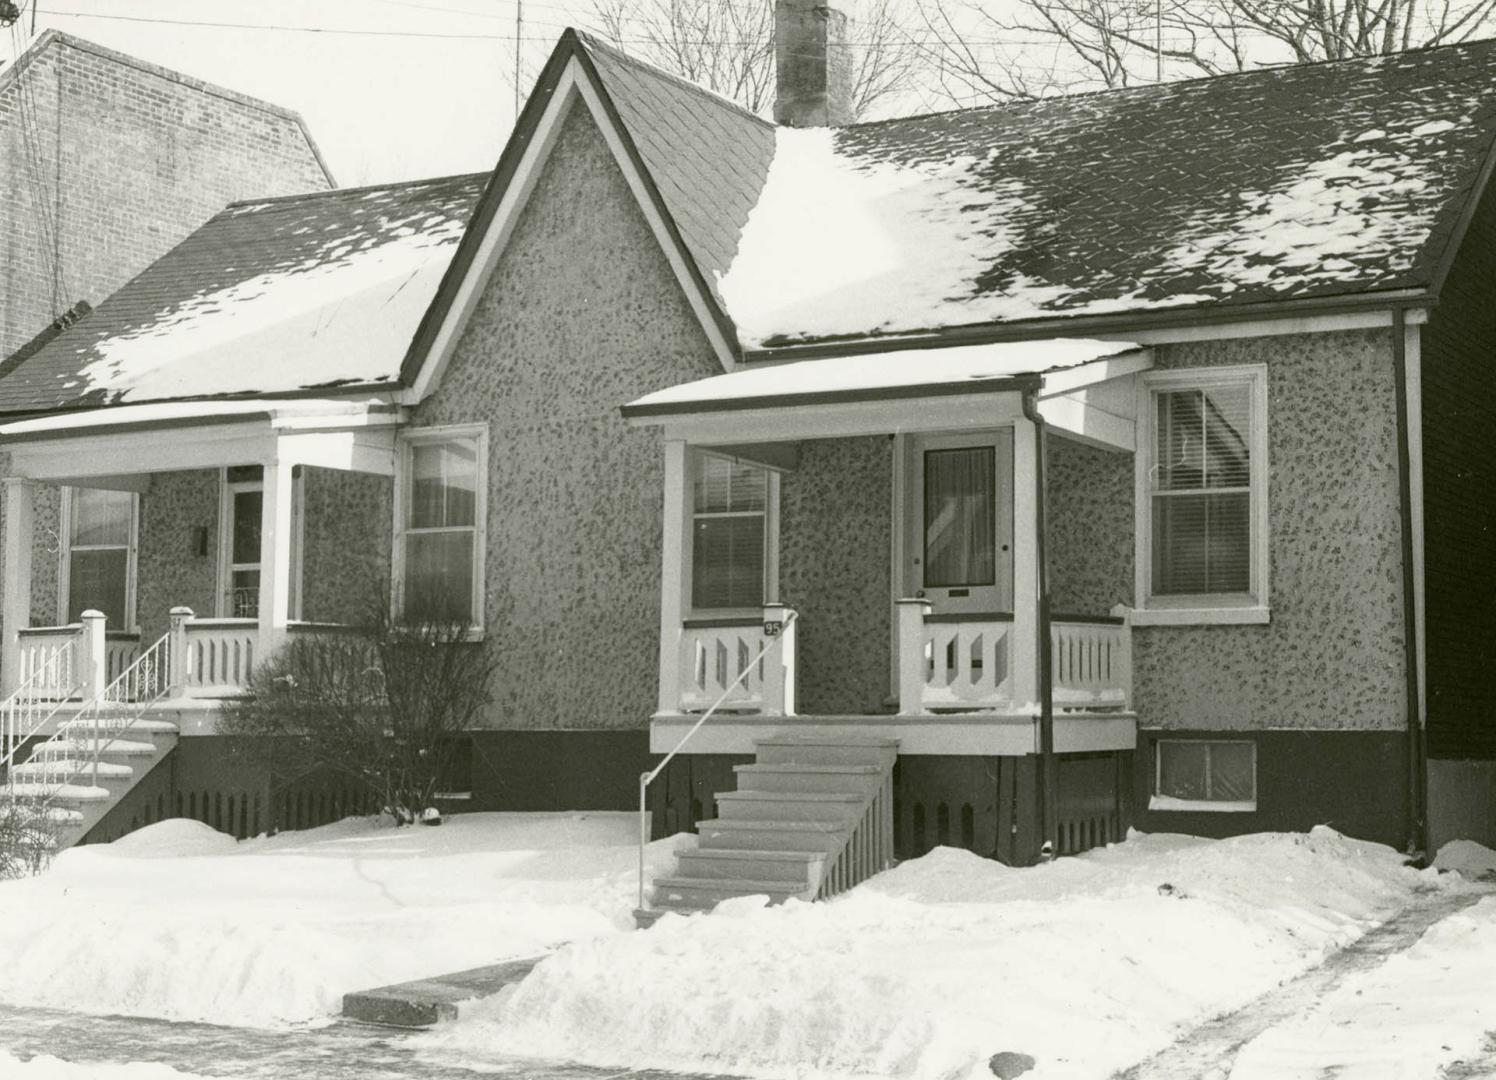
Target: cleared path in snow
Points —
{"points": [[1210, 1049]]}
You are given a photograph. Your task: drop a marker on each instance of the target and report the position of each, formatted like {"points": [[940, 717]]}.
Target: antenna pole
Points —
{"points": [[519, 29], [1158, 40]]}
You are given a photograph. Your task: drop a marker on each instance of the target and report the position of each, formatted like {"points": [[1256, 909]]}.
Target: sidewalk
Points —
{"points": [[1228, 1047]]}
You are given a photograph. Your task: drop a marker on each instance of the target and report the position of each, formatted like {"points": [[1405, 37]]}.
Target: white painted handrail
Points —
{"points": [[786, 618], [31, 707], [124, 701]]}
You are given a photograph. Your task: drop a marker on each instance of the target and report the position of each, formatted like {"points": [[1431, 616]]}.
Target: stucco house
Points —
{"points": [[1113, 454]]}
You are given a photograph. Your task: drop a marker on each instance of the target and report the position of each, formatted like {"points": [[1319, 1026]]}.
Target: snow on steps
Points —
{"points": [[812, 816], [60, 772]]}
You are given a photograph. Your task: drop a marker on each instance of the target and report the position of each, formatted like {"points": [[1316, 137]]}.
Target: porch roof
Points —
{"points": [[108, 446], [898, 374]]}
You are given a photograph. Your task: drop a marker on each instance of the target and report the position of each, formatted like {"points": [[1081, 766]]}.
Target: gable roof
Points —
{"points": [[708, 156], [1311, 181], [700, 161], [276, 296]]}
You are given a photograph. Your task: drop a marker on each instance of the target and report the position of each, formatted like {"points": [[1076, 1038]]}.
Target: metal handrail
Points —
{"points": [[148, 676], [12, 738], [646, 778]]}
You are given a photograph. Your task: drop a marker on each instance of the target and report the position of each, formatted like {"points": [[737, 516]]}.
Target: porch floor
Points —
{"points": [[969, 733]]}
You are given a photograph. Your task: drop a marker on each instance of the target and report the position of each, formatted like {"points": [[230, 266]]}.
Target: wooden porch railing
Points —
{"points": [[48, 660], [963, 662], [216, 656], [1092, 661], [724, 662]]}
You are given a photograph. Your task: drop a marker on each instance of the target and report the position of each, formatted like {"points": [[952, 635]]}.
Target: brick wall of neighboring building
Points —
{"points": [[107, 161]]}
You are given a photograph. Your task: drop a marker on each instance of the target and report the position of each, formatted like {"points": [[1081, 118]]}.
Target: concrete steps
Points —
{"points": [[791, 817], [60, 775]]}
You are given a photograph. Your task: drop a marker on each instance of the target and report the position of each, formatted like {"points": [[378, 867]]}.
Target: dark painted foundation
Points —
{"points": [[1354, 781], [987, 805]]}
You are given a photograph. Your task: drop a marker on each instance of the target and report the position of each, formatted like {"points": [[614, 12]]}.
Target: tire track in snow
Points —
{"points": [[1206, 1052]]}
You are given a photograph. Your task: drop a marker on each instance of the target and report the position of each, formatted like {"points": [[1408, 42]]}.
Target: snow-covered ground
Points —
{"points": [[1088, 965], [182, 922]]}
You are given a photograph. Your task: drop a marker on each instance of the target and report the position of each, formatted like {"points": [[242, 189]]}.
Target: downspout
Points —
{"points": [[1417, 837], [1048, 773]]}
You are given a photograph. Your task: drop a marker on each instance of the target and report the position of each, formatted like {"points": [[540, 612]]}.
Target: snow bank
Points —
{"points": [[1088, 964], [46, 1067], [1412, 1017], [179, 922], [1468, 858]]}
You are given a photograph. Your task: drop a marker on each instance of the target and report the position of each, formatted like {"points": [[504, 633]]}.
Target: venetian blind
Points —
{"points": [[1201, 491]]}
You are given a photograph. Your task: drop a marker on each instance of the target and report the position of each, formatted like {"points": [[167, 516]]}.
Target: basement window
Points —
{"points": [[1200, 774]]}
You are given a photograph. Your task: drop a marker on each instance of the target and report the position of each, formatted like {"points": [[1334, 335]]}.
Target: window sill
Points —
{"points": [[1168, 802], [1201, 616]]}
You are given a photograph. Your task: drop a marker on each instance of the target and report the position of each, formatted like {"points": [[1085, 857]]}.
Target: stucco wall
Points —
{"points": [[1090, 528], [581, 315], [346, 561], [834, 566], [1332, 657], [46, 555], [169, 571]]}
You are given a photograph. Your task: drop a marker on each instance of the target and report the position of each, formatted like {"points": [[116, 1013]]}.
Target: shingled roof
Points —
{"points": [[269, 297], [708, 156], [1312, 181]]}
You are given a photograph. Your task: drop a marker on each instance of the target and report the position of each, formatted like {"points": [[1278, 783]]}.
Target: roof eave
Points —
{"points": [[1005, 384], [1094, 325]]}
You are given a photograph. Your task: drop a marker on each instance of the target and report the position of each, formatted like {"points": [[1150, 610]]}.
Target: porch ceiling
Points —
{"points": [[122, 441]]}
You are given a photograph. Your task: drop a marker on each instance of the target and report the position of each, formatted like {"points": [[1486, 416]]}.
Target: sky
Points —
{"points": [[391, 89]]}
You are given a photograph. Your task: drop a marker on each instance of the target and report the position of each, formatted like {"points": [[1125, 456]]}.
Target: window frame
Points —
{"points": [[1167, 803], [695, 458], [1201, 608], [406, 442], [65, 557]]}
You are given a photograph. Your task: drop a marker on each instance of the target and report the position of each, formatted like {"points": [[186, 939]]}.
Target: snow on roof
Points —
{"points": [[1225, 190], [268, 297], [915, 370], [159, 412]]}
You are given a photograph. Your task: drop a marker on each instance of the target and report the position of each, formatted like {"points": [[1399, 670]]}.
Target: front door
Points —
{"points": [[959, 545], [243, 503]]}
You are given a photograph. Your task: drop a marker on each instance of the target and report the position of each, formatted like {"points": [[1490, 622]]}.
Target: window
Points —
{"points": [[98, 556], [960, 526], [731, 534], [1202, 496], [1199, 775], [440, 528]]}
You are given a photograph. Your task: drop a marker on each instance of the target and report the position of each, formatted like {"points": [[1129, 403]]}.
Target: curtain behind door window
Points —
{"points": [[960, 517]]}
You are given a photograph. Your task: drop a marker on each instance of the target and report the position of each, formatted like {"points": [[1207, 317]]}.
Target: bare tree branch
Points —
{"points": [[1110, 43]]}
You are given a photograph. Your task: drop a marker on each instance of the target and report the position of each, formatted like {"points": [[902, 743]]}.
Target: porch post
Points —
{"points": [[673, 584], [1024, 650], [15, 604], [275, 558], [93, 660]]}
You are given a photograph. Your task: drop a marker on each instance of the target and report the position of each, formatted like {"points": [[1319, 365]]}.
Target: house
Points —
{"points": [[107, 161], [1160, 397]]}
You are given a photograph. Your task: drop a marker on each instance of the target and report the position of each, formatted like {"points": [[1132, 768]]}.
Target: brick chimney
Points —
{"points": [[813, 65]]}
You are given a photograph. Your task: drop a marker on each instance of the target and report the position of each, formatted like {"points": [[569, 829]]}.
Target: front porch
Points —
{"points": [[221, 538], [903, 547]]}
